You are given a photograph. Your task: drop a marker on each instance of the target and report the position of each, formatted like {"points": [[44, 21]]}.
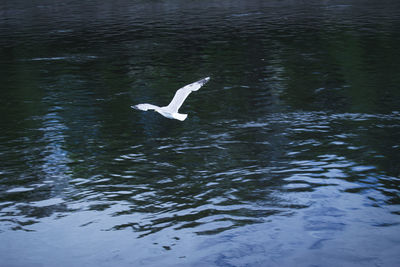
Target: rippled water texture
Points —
{"points": [[289, 156]]}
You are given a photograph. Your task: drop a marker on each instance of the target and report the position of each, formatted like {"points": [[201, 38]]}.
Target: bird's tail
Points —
{"points": [[180, 116]]}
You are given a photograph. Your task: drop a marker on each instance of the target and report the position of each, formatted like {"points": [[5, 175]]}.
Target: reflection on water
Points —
{"points": [[290, 153]]}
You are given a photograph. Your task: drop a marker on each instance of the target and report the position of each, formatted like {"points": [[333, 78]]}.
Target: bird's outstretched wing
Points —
{"points": [[183, 93], [145, 107]]}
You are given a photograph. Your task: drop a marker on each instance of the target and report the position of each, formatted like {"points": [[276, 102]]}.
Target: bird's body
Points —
{"points": [[171, 111]]}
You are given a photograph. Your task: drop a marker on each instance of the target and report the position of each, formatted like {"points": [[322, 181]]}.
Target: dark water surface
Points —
{"points": [[289, 157]]}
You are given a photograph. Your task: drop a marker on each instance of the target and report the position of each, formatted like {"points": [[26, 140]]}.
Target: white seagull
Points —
{"points": [[171, 111]]}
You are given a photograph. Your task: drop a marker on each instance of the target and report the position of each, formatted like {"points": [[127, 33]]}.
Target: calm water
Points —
{"points": [[289, 156]]}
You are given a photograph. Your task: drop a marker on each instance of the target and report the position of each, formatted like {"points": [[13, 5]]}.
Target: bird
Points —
{"points": [[171, 111]]}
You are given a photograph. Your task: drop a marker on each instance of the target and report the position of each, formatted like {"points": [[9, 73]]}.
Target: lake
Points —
{"points": [[289, 155]]}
